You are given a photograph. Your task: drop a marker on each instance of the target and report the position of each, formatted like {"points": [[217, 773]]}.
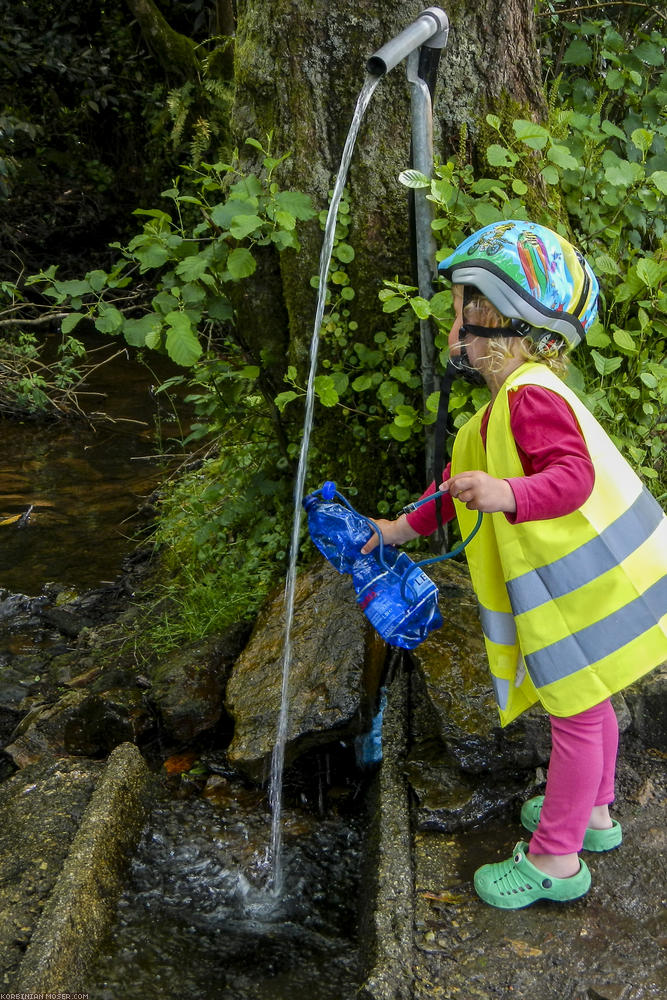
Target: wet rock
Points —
{"points": [[647, 703], [81, 724], [188, 685], [335, 667], [82, 905], [41, 807]]}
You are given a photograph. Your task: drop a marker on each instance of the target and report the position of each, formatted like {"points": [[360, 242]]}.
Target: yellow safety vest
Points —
{"points": [[573, 608]]}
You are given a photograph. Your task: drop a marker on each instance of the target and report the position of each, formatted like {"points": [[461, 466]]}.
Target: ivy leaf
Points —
{"points": [[241, 263]]}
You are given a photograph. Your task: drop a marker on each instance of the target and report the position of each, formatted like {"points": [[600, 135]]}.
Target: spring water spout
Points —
{"points": [[278, 757], [431, 29]]}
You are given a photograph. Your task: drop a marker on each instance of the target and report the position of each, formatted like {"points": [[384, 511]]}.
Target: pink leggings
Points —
{"points": [[581, 775]]}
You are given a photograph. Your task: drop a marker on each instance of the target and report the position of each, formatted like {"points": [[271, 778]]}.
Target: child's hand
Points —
{"points": [[480, 491], [393, 533]]}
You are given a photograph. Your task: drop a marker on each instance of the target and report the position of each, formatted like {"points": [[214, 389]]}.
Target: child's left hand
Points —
{"points": [[480, 491]]}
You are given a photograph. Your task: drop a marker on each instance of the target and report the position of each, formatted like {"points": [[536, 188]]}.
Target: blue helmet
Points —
{"points": [[531, 275]]}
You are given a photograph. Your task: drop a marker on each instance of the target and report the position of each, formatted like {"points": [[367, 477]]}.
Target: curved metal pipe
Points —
{"points": [[431, 28]]}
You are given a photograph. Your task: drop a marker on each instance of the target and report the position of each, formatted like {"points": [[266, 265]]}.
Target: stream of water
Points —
{"points": [[278, 757]]}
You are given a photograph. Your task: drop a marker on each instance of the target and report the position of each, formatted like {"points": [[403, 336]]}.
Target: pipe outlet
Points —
{"points": [[431, 28]]}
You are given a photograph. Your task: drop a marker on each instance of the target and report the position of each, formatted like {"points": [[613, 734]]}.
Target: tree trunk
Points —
{"points": [[298, 70], [175, 52]]}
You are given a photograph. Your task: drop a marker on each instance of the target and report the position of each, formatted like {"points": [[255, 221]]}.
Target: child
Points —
{"points": [[570, 565]]}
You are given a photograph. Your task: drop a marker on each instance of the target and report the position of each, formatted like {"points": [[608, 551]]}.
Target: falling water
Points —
{"points": [[277, 760]]}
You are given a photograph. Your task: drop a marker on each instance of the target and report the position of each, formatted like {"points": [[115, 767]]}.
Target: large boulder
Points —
{"points": [[336, 662], [188, 684]]}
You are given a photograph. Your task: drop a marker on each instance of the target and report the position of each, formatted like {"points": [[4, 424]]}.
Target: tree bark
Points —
{"points": [[298, 70], [175, 52]]}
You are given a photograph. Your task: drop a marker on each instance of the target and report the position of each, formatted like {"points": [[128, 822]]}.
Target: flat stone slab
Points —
{"points": [[607, 946], [69, 828]]}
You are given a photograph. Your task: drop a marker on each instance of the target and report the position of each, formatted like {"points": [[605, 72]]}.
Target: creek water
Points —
{"points": [[278, 756], [84, 482]]}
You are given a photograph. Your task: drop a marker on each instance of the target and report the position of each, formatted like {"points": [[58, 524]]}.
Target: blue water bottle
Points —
{"points": [[396, 596]]}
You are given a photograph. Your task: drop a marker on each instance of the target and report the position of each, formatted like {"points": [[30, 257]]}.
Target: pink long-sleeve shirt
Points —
{"points": [[559, 474]]}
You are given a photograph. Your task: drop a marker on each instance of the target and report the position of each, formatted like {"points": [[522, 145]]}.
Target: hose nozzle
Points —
{"points": [[431, 28]]}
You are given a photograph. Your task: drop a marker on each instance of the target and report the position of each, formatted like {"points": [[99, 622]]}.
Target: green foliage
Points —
{"points": [[222, 530], [190, 257], [33, 387]]}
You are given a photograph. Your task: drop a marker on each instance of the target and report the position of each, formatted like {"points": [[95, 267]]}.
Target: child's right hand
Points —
{"points": [[393, 533]]}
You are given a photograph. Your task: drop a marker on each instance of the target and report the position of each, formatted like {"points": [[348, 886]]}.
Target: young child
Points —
{"points": [[570, 565]]}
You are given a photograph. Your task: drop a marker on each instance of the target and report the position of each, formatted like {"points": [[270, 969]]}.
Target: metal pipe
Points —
{"points": [[431, 28]]}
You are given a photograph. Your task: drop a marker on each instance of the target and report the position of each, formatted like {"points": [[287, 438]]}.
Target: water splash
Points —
{"points": [[278, 757]]}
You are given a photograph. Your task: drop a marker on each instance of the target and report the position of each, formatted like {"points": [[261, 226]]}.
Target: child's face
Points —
{"points": [[475, 346]]}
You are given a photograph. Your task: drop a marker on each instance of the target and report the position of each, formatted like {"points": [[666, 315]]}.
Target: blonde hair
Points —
{"points": [[478, 311]]}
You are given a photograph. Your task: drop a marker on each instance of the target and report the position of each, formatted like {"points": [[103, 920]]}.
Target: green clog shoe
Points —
{"points": [[594, 840], [515, 883]]}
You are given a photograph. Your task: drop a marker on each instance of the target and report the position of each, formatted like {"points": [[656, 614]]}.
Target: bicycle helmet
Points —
{"points": [[533, 276]]}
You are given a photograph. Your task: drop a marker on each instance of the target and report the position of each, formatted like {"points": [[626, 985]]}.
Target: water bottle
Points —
{"points": [[397, 597]]}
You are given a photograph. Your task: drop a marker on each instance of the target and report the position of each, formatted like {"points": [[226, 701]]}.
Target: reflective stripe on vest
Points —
{"points": [[584, 594]]}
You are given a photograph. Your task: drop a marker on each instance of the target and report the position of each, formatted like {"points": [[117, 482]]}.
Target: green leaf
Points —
{"points": [[71, 321], [562, 157], [393, 304], [109, 319], [623, 339], [243, 225], [241, 264], [286, 220], [182, 343], [361, 383], [486, 213], [152, 256], [643, 138], [550, 174], [223, 213], [414, 179], [283, 398], [347, 293], [605, 366], [622, 174], [325, 390], [614, 80], [519, 187], [535, 136], [494, 122], [433, 402], [192, 268], [500, 156], [420, 306], [659, 178], [297, 204], [344, 252], [136, 331], [441, 305], [649, 272], [578, 53], [649, 53], [596, 337]]}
